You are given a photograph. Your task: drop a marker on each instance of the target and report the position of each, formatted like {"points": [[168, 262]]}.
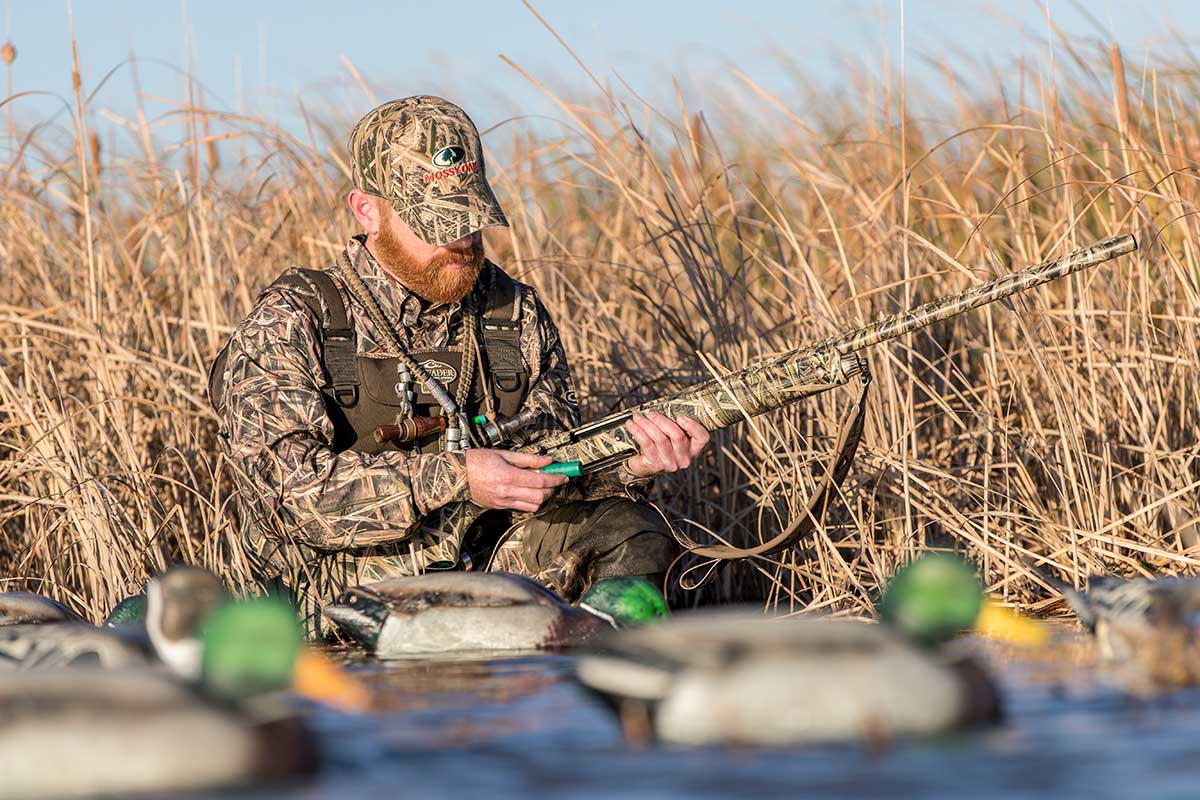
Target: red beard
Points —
{"points": [[430, 279]]}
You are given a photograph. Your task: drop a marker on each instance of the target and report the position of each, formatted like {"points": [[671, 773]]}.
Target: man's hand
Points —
{"points": [[667, 445], [504, 479]]}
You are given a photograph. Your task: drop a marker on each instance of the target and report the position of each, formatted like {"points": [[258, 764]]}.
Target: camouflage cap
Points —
{"points": [[424, 155]]}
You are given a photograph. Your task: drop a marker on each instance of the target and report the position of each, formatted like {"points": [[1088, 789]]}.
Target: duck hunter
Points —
{"points": [[359, 402]]}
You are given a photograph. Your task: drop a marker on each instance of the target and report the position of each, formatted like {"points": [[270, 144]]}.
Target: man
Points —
{"points": [[337, 394]]}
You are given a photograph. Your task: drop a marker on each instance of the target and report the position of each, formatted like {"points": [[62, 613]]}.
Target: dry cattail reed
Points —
{"points": [[9, 54]]}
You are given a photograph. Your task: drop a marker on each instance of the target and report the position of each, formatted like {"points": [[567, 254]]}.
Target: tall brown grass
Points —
{"points": [[670, 244]]}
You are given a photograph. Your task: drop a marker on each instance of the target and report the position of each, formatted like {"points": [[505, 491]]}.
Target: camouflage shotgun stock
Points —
{"points": [[780, 380], [803, 372]]}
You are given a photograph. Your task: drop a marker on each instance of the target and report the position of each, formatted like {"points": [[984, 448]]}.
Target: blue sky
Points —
{"points": [[260, 55]]}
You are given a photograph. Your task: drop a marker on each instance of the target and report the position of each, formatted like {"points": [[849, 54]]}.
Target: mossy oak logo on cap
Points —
{"points": [[440, 371], [449, 156], [451, 160]]}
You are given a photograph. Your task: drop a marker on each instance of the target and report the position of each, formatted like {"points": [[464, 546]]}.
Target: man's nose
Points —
{"points": [[465, 243]]}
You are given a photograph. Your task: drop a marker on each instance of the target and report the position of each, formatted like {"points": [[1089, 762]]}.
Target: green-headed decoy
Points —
{"points": [[130, 611], [457, 612], [735, 676]]}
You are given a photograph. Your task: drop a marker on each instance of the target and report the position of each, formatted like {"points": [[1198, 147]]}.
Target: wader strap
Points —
{"points": [[338, 340], [502, 332], [849, 436]]}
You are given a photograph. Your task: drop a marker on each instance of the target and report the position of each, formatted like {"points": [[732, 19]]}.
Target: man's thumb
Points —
{"points": [[528, 460]]}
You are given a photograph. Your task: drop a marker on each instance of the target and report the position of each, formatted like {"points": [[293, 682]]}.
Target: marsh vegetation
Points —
{"points": [[671, 243]]}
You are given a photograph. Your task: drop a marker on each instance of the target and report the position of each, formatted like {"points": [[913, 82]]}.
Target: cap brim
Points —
{"points": [[439, 219]]}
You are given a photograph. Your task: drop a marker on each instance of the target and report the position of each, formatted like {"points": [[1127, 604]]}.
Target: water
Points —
{"points": [[520, 728]]}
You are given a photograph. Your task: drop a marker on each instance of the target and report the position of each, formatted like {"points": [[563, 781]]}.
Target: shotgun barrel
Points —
{"points": [[976, 296]]}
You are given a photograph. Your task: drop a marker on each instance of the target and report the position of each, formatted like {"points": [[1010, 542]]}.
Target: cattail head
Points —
{"points": [[1120, 90], [8, 53], [214, 158], [94, 146]]}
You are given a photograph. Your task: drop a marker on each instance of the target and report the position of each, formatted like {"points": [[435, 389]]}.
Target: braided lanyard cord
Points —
{"points": [[466, 375], [455, 428]]}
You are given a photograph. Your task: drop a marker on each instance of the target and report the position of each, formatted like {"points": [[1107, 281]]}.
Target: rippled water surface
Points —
{"points": [[520, 728]]}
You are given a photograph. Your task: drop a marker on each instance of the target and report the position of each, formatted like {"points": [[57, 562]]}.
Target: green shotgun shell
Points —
{"points": [[479, 420], [572, 469]]}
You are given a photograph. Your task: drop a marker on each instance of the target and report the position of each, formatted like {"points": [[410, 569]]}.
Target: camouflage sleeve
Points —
{"points": [[278, 434], [552, 391]]}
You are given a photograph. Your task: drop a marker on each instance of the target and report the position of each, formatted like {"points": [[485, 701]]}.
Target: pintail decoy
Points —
{"points": [[1149, 628], [177, 601]]}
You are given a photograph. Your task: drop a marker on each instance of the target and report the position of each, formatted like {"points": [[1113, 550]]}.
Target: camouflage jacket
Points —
{"points": [[300, 498]]}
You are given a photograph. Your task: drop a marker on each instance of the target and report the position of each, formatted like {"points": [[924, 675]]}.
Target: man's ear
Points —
{"points": [[365, 210]]}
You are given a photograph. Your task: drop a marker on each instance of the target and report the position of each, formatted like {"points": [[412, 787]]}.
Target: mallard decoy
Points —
{"points": [[1149, 627], [738, 677], [28, 608], [456, 612], [130, 611], [116, 733], [177, 601]]}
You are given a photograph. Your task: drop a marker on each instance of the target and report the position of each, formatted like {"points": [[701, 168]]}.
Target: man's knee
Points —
{"points": [[575, 544]]}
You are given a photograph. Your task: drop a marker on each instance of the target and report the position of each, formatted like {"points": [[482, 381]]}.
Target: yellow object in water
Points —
{"points": [[1003, 624], [318, 678]]}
